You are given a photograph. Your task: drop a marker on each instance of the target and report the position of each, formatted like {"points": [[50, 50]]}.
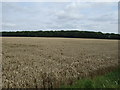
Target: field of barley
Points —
{"points": [[36, 62]]}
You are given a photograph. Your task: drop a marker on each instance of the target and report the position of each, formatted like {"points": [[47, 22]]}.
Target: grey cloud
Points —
{"points": [[70, 12], [14, 6], [104, 18], [69, 16]]}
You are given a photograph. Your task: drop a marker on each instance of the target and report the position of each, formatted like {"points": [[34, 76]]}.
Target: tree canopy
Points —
{"points": [[62, 33]]}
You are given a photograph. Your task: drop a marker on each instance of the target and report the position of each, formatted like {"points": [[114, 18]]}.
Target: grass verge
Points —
{"points": [[110, 80]]}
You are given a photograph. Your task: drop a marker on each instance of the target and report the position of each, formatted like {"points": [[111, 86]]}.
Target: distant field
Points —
{"points": [[34, 62]]}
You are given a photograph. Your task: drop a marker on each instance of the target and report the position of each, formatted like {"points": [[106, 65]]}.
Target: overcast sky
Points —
{"points": [[84, 16]]}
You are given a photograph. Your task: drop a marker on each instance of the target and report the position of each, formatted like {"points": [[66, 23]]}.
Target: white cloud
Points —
{"points": [[70, 12], [108, 17], [0, 16], [8, 24], [71, 15], [59, 0]]}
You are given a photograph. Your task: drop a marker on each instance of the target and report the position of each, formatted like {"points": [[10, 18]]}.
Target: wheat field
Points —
{"points": [[36, 62]]}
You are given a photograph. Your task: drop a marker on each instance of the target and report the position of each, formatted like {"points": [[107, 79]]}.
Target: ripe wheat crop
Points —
{"points": [[34, 62]]}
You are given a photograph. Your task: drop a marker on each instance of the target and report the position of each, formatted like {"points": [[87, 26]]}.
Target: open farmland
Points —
{"points": [[32, 62]]}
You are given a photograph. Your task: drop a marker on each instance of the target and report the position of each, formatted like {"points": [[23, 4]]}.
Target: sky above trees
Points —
{"points": [[85, 16]]}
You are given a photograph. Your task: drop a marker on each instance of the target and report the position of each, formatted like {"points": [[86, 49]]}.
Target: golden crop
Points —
{"points": [[35, 62]]}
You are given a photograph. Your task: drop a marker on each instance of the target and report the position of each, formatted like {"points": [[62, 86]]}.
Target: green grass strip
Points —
{"points": [[110, 80]]}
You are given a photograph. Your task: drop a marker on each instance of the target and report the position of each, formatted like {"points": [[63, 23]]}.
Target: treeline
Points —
{"points": [[62, 33]]}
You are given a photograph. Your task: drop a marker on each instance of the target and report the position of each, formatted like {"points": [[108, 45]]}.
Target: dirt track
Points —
{"points": [[51, 62]]}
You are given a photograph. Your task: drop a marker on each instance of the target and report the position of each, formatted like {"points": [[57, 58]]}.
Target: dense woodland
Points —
{"points": [[62, 33]]}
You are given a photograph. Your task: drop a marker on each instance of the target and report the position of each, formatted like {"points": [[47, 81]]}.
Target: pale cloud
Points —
{"points": [[64, 15], [0, 16], [71, 11], [108, 17], [59, 0], [8, 24]]}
